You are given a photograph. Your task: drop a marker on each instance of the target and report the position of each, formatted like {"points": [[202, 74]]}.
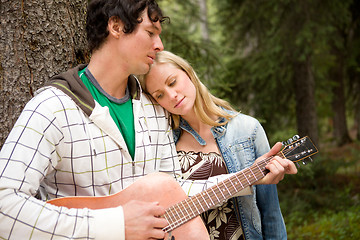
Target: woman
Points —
{"points": [[211, 139]]}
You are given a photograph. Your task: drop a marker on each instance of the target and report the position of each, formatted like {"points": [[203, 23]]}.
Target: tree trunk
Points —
{"points": [[305, 101], [355, 98], [37, 41], [357, 122], [341, 133], [204, 28]]}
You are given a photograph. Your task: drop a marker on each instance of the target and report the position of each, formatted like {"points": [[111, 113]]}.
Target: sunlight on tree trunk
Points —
{"points": [[203, 20]]}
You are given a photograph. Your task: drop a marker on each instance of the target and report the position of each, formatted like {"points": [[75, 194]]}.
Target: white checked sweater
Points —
{"points": [[66, 144]]}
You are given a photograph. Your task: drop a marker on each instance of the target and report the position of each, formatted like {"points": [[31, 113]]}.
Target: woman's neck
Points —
{"points": [[199, 126], [187, 142]]}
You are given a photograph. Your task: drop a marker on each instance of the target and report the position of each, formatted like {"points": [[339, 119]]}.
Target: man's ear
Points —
{"points": [[115, 26]]}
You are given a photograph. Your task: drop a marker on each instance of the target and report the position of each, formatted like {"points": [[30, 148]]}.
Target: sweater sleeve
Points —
{"points": [[109, 224]]}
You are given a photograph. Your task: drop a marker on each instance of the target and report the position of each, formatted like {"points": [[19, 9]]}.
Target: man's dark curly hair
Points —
{"points": [[128, 11]]}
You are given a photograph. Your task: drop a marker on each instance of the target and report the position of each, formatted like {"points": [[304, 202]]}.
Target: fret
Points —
{"points": [[261, 170], [236, 190], [218, 200], [171, 210], [245, 177], [196, 197], [202, 195], [239, 181], [189, 206], [220, 192], [229, 193], [174, 223], [166, 215], [177, 211], [183, 207], [209, 195], [194, 206], [253, 173]]}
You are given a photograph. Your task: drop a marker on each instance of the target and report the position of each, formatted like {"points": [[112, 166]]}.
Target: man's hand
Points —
{"points": [[278, 166], [142, 220]]}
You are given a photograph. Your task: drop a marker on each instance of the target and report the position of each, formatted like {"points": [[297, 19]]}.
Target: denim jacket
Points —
{"points": [[241, 141]]}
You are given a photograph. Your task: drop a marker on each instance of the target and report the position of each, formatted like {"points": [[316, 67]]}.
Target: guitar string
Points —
{"points": [[257, 170], [180, 221]]}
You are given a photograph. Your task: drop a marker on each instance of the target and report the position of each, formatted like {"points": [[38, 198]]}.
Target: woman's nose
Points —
{"points": [[172, 94]]}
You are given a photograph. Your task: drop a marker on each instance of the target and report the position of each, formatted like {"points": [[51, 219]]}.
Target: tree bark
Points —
{"points": [[341, 133], [38, 39], [306, 116]]}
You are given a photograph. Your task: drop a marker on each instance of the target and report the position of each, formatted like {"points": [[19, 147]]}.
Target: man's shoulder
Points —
{"points": [[155, 115], [49, 97], [150, 105]]}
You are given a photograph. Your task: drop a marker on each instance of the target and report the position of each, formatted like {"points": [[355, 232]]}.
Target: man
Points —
{"points": [[91, 132]]}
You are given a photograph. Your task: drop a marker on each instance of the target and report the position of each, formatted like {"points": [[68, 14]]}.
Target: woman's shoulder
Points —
{"points": [[243, 121], [238, 116]]}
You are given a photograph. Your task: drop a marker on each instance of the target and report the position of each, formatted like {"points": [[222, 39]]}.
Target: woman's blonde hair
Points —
{"points": [[206, 104]]}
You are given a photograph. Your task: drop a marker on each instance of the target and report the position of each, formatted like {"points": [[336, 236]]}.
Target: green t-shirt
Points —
{"points": [[121, 110]]}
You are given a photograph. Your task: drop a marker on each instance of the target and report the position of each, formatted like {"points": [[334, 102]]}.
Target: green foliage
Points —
{"points": [[329, 226], [263, 40], [322, 200], [181, 36]]}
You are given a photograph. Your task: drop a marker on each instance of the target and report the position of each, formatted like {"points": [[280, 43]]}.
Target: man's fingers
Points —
{"points": [[157, 210]]}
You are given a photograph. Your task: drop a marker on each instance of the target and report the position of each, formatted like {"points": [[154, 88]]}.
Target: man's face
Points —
{"points": [[138, 49]]}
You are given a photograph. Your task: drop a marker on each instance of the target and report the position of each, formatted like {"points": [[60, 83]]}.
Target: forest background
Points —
{"points": [[294, 65]]}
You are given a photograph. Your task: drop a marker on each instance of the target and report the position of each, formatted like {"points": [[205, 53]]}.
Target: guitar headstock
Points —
{"points": [[298, 149]]}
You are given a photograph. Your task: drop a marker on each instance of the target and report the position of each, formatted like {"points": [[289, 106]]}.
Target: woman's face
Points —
{"points": [[171, 88]]}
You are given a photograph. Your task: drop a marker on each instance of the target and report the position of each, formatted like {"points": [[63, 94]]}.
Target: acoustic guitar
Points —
{"points": [[183, 212]]}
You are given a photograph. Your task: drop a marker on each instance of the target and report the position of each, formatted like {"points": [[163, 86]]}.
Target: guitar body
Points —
{"points": [[156, 187]]}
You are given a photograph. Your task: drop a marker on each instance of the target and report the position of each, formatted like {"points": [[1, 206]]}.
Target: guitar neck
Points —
{"points": [[191, 207]]}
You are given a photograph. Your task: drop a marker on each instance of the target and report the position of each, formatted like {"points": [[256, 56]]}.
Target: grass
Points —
{"points": [[322, 201]]}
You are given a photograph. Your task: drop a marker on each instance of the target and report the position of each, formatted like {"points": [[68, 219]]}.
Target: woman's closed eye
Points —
{"points": [[172, 82], [158, 96]]}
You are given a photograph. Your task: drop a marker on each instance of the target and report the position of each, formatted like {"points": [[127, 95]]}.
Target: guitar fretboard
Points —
{"points": [[190, 208]]}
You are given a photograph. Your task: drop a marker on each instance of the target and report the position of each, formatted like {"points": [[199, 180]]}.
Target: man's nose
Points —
{"points": [[158, 45]]}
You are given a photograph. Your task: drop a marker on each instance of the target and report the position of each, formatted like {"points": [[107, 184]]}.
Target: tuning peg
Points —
{"points": [[297, 164], [304, 162], [311, 159], [295, 137]]}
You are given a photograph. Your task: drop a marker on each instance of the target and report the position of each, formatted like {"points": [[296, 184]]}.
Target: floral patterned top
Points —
{"points": [[220, 222]]}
